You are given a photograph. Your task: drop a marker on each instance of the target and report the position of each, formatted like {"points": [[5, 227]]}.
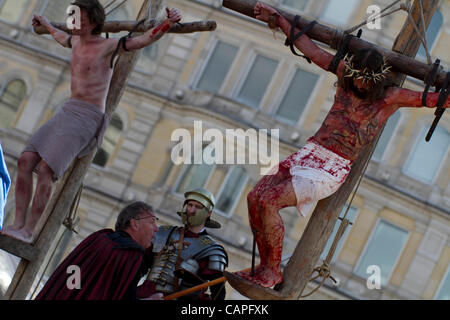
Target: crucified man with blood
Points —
{"points": [[78, 127], [363, 102]]}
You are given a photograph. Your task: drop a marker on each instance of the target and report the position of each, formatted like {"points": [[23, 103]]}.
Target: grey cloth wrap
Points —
{"points": [[74, 131]]}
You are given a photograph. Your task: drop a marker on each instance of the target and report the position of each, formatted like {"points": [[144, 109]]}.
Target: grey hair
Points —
{"points": [[131, 211]]}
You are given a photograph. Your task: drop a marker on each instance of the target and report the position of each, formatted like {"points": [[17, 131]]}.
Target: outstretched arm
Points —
{"points": [[60, 36], [320, 57], [152, 35], [408, 98]]}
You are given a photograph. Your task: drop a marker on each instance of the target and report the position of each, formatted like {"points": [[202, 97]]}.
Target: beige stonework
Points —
{"points": [[162, 98]]}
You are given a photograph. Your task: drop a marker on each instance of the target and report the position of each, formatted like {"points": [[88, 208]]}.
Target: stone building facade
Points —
{"points": [[241, 77]]}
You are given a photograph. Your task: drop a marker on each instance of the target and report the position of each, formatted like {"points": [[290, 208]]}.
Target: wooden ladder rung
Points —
{"points": [[18, 248]]}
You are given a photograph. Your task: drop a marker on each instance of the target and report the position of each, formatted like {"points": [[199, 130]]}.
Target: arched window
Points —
{"points": [[231, 190], [426, 158], [432, 32], [112, 136], [11, 10], [386, 137], [11, 98]]}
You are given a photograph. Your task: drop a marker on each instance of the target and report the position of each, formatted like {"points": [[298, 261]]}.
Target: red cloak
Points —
{"points": [[110, 265]]}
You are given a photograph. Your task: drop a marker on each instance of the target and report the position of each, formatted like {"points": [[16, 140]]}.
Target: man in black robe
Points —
{"points": [[108, 264]]}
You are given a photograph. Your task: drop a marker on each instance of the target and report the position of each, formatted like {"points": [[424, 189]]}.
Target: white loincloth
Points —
{"points": [[316, 174]]}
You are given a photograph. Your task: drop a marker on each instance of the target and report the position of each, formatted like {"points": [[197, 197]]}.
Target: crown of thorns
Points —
{"points": [[365, 74]]}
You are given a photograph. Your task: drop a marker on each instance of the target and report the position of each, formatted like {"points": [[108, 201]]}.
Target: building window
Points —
{"points": [[297, 95], [150, 53], [257, 80], [338, 12], [351, 216], [425, 159], [217, 68], [231, 190], [386, 137], [382, 250], [11, 98], [110, 140], [148, 57], [443, 292], [432, 33], [194, 176], [299, 5], [55, 10], [11, 10]]}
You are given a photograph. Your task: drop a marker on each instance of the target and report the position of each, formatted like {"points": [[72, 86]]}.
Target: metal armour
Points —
{"points": [[165, 246]]}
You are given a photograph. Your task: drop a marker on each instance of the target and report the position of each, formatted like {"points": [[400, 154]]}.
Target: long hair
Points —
{"points": [[372, 61], [95, 11]]}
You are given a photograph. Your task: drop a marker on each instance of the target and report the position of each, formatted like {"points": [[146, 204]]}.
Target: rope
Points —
{"points": [[421, 37], [115, 8], [424, 30], [324, 270], [69, 222], [407, 8]]}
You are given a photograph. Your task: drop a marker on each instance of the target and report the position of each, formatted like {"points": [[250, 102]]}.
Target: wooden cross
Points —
{"points": [[299, 269], [33, 255], [401, 62]]}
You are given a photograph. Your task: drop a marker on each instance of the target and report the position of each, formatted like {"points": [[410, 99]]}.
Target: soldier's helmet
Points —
{"points": [[204, 197]]}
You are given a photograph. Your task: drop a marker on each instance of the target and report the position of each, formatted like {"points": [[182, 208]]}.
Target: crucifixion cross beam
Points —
{"points": [[401, 62], [119, 26]]}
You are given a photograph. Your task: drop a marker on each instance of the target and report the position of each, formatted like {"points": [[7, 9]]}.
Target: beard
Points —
{"points": [[361, 94]]}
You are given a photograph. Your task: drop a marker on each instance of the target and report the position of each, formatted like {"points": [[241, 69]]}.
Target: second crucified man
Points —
{"points": [[76, 129], [363, 102]]}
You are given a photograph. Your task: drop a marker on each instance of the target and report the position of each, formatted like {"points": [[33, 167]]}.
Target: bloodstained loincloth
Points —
{"points": [[316, 174], [74, 131]]}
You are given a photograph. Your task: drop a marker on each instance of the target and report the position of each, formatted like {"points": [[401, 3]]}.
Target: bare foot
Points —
{"points": [[264, 276]]}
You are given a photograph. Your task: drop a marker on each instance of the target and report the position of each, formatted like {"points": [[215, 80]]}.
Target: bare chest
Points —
{"points": [[365, 116], [88, 60]]}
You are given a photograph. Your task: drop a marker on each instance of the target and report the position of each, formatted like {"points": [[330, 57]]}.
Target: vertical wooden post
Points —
{"points": [[299, 268], [67, 188]]}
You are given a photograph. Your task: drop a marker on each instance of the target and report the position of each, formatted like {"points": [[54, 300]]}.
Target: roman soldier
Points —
{"points": [[187, 256]]}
